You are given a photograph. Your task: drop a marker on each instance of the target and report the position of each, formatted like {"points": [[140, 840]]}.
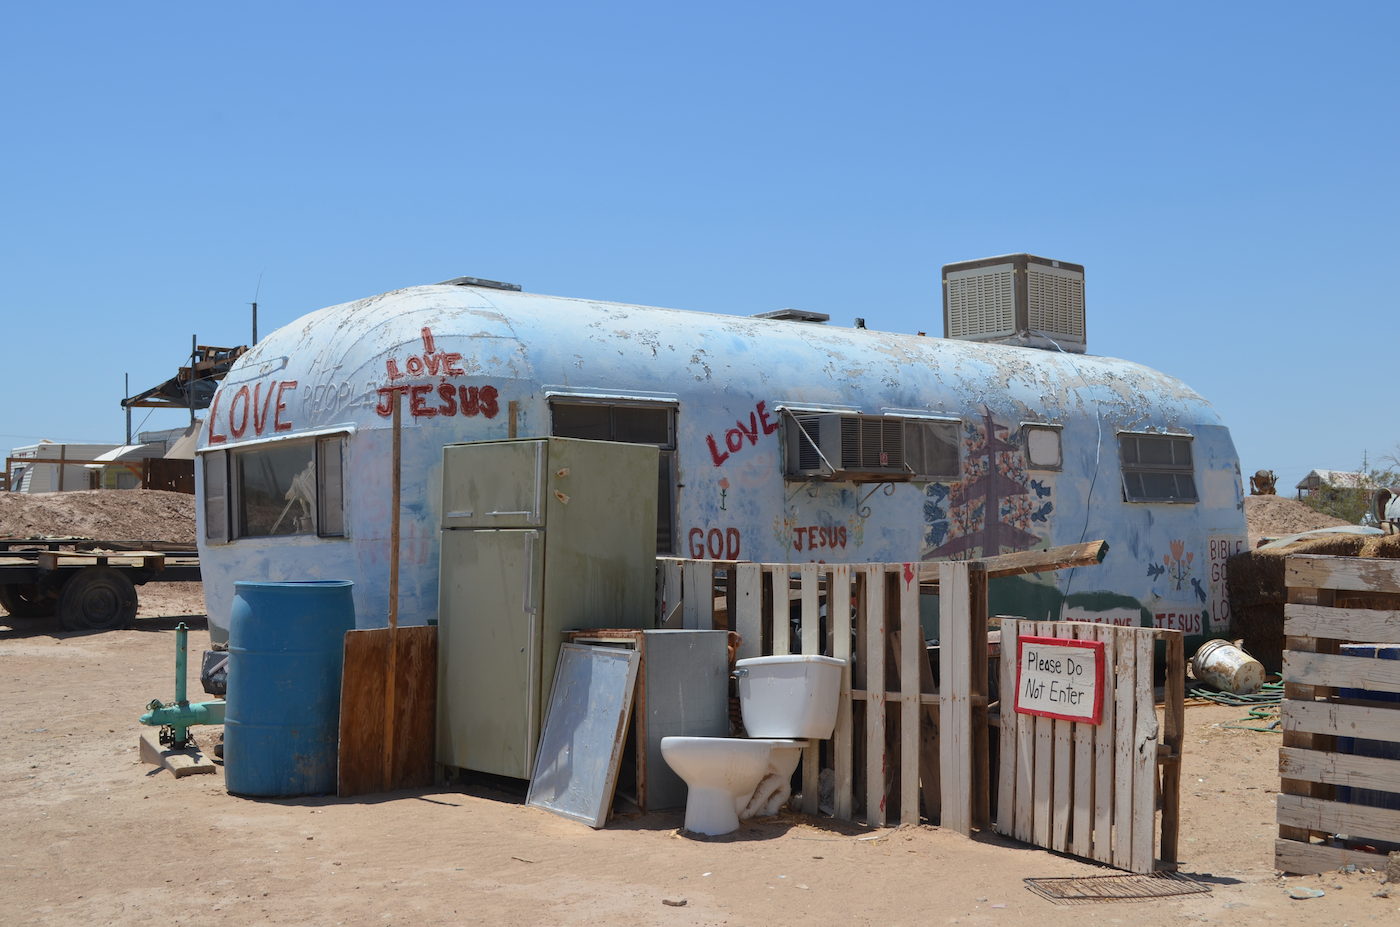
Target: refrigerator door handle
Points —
{"points": [[527, 600], [534, 518]]}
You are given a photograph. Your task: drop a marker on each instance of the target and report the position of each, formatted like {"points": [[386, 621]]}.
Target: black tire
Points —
{"points": [[25, 600], [97, 599]]}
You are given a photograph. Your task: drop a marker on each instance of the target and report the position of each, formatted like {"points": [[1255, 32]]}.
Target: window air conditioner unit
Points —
{"points": [[838, 446]]}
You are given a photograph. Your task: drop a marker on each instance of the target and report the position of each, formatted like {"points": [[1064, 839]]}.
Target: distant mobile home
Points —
{"points": [[782, 440]]}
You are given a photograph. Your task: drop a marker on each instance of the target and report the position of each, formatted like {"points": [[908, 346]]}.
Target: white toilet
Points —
{"points": [[786, 700]]}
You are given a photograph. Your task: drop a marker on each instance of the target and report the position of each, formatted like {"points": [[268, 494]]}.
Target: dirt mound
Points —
{"points": [[1278, 516], [107, 514]]}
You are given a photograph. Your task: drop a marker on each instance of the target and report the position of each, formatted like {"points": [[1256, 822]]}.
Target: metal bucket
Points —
{"points": [[286, 650], [1228, 668]]}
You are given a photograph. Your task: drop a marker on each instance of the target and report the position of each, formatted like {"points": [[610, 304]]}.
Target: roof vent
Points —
{"points": [[794, 315], [1017, 299], [477, 281]]}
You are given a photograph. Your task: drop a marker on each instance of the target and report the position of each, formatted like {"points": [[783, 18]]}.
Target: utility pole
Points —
{"points": [[125, 396], [194, 351]]}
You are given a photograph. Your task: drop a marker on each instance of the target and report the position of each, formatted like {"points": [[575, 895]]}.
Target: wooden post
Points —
{"points": [[748, 610], [911, 651], [1082, 825], [875, 695], [811, 644], [1010, 762], [1125, 717], [392, 670], [1144, 758], [1103, 750], [838, 616], [955, 695], [1173, 735]]}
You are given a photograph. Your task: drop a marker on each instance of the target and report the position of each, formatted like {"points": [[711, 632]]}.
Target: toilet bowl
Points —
{"points": [[786, 701], [723, 777]]}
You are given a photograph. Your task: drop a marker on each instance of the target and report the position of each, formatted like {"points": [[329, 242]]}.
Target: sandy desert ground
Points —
{"points": [[93, 836]]}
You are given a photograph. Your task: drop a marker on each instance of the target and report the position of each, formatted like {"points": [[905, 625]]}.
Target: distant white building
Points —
{"points": [[29, 474], [1318, 480]]}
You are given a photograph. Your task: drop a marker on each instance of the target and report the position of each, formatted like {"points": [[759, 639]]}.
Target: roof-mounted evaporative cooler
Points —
{"points": [[1017, 299]]}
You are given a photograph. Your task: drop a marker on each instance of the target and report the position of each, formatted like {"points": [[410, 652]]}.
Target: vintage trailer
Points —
{"points": [[782, 440]]}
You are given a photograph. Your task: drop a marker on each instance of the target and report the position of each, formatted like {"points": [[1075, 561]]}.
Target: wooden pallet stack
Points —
{"points": [[892, 736], [1092, 790], [1334, 601]]}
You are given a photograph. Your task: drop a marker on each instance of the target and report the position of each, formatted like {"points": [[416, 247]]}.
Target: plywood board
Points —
{"points": [[585, 727], [363, 712]]}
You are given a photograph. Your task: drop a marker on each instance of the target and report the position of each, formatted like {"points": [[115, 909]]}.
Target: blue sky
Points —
{"points": [[1226, 172]]}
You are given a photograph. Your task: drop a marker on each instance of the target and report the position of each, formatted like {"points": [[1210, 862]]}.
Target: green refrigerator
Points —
{"points": [[539, 536]]}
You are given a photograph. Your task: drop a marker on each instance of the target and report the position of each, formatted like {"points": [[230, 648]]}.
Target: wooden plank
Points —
{"points": [[1342, 720], [748, 610], [1362, 574], [695, 578], [1173, 736], [911, 651], [1089, 553], [1296, 692], [1104, 745], [1082, 824], [1337, 671], [415, 708], [1372, 625], [839, 617], [782, 626], [875, 701], [1334, 817], [362, 695], [1361, 772], [1125, 720], [1044, 766], [1062, 800], [1025, 755], [810, 577], [1006, 775], [1144, 756], [955, 709], [930, 775], [1297, 858], [981, 775]]}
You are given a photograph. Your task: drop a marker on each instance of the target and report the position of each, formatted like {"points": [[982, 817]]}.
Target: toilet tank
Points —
{"points": [[792, 696]]}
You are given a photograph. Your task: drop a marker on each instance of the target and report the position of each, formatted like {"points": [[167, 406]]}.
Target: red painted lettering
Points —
{"points": [[415, 401], [242, 426], [489, 408], [768, 427], [471, 400], [414, 365], [215, 438], [842, 530], [387, 399], [391, 367], [734, 439], [428, 346], [433, 361], [260, 421], [731, 543], [715, 454], [277, 423], [715, 542], [448, 392], [797, 534], [752, 431], [696, 540], [449, 364]]}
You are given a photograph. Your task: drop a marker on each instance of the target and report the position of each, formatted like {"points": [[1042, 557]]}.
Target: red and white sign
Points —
{"points": [[1060, 678]]}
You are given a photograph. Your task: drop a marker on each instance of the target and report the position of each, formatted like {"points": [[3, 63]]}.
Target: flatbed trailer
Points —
{"points": [[89, 583]]}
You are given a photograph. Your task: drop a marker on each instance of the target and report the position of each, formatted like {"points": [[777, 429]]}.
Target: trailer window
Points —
{"points": [[287, 489], [1043, 451], [1157, 468], [931, 450], [633, 423], [216, 497]]}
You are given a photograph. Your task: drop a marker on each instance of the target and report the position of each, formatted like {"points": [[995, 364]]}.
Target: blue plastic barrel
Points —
{"points": [[286, 651], [1356, 746]]}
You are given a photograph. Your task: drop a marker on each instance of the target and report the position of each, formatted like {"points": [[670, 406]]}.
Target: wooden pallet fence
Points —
{"points": [[1091, 790], [1329, 696]]}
